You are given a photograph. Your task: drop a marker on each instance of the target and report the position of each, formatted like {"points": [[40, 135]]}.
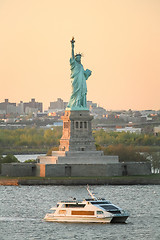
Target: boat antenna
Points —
{"points": [[91, 194]]}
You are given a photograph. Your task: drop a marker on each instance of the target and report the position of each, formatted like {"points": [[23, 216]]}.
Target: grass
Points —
{"points": [[152, 176]]}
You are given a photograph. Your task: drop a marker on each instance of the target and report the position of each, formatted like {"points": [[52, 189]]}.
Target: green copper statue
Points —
{"points": [[79, 76]]}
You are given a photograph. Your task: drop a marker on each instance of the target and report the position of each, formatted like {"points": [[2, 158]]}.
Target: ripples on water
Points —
{"points": [[22, 209]]}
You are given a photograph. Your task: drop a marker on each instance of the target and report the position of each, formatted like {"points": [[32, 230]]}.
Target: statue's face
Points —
{"points": [[78, 58]]}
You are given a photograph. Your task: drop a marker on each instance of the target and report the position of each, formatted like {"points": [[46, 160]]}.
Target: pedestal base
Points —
{"points": [[77, 132]]}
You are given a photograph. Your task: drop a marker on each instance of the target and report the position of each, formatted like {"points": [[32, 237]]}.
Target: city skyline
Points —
{"points": [[60, 104], [119, 41]]}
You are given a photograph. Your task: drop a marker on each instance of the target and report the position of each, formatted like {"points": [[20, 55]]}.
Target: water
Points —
{"points": [[24, 157], [22, 209]]}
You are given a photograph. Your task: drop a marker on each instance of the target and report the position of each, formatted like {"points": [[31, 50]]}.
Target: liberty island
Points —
{"points": [[77, 155]]}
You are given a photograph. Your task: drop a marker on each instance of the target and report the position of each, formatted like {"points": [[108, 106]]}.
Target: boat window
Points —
{"points": [[75, 205], [62, 211], [99, 212], [57, 205], [111, 208], [100, 202], [115, 212], [89, 199], [82, 213]]}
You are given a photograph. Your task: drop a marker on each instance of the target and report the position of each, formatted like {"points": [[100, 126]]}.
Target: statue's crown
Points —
{"points": [[78, 54]]}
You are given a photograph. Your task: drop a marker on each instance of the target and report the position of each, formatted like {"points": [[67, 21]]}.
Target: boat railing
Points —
{"points": [[72, 201]]}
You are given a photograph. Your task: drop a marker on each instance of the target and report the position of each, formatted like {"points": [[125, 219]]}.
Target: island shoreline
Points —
{"points": [[153, 179]]}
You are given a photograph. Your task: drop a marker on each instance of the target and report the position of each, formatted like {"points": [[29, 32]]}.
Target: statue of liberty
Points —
{"points": [[79, 76]]}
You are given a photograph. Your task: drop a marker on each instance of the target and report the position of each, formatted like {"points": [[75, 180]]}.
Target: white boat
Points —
{"points": [[93, 210]]}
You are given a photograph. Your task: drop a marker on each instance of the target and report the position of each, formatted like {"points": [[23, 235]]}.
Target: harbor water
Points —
{"points": [[22, 209], [24, 157]]}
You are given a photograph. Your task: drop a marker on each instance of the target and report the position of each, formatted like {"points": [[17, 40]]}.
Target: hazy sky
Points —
{"points": [[120, 40]]}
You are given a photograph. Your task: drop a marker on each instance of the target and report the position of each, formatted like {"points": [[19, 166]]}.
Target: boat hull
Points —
{"points": [[78, 220], [119, 219], [114, 219]]}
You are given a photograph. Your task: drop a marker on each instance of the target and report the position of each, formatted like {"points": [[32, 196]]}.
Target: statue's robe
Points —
{"points": [[79, 86]]}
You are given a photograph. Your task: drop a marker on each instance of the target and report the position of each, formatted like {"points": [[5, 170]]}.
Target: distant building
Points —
{"points": [[20, 108], [58, 105], [30, 110], [91, 105], [148, 112], [12, 109], [33, 106], [129, 129], [7, 107], [95, 110]]}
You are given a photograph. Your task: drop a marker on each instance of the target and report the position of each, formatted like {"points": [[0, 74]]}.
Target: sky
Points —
{"points": [[119, 39]]}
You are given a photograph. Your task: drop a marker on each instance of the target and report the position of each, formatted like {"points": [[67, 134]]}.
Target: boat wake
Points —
{"points": [[16, 219]]}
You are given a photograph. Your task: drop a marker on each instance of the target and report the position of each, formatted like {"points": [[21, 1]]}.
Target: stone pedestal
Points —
{"points": [[77, 145], [77, 131]]}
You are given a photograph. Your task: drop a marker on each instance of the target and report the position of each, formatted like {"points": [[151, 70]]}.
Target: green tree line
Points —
{"points": [[128, 146], [30, 137], [50, 137], [113, 138]]}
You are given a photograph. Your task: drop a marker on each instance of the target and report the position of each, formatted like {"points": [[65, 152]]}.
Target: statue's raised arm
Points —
{"points": [[79, 76], [72, 45]]}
